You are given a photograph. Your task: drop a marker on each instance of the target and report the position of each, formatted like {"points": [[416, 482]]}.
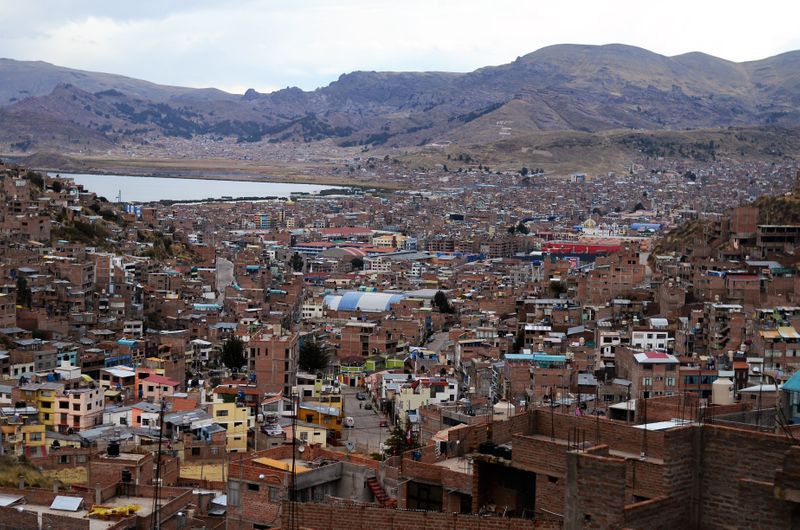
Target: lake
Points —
{"points": [[151, 189]]}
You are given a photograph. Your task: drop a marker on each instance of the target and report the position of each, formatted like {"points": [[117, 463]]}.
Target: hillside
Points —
{"points": [[564, 88]]}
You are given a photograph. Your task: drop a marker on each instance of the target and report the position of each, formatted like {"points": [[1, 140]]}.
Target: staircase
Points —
{"points": [[380, 494]]}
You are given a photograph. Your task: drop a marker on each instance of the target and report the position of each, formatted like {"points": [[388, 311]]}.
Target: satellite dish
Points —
{"points": [[301, 449], [350, 445]]}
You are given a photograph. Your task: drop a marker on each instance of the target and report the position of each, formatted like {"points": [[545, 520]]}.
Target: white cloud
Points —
{"points": [[266, 44]]}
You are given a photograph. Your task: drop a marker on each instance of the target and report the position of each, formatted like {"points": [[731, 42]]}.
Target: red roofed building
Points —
{"points": [[346, 232], [155, 386], [651, 373]]}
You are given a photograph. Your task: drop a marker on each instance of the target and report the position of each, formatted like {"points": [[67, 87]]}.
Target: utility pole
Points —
{"points": [[157, 486]]}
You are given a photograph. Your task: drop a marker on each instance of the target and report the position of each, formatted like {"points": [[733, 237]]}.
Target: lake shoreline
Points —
{"points": [[183, 190]]}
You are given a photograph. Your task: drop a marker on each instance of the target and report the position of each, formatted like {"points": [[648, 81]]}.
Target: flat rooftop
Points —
{"points": [[460, 464], [145, 508]]}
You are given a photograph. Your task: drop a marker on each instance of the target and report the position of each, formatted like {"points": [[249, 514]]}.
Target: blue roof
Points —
{"points": [[536, 357], [207, 307], [127, 342], [365, 301], [793, 384]]}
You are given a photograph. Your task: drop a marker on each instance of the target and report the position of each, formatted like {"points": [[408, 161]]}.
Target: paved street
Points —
{"points": [[439, 342], [367, 433]]}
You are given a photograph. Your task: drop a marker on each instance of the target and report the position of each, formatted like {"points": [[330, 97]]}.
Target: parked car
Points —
{"points": [[361, 396]]}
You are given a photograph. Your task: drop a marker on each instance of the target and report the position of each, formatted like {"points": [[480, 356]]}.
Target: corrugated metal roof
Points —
{"points": [[278, 464], [788, 332], [10, 500], [793, 384]]}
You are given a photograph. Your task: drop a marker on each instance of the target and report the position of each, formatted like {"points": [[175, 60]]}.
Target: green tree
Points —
{"points": [[557, 288], [401, 439], [233, 353], [357, 264], [296, 262], [519, 340], [36, 179], [524, 171], [441, 302], [312, 357], [24, 294]]}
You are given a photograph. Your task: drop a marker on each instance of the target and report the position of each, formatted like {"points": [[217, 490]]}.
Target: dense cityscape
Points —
{"points": [[492, 351], [370, 265]]}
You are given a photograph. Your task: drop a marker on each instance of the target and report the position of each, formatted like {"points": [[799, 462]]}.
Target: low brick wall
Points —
{"points": [[313, 516], [63, 522], [13, 519]]}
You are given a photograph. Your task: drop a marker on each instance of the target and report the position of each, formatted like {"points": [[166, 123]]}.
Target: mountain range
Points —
{"points": [[559, 88]]}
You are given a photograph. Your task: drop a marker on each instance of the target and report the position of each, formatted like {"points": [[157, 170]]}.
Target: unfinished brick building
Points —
{"points": [[584, 472]]}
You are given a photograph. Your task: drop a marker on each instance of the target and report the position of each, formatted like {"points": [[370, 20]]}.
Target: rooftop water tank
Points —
{"points": [[722, 391]]}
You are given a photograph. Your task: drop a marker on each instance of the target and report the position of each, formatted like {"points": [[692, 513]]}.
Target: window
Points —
{"points": [[304, 436], [63, 404], [222, 412], [274, 494], [647, 381], [670, 381], [76, 407], [195, 451], [63, 459], [233, 493], [252, 487]]}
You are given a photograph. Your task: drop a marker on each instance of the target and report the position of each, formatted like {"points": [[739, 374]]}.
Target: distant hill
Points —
{"points": [[24, 79], [577, 88]]}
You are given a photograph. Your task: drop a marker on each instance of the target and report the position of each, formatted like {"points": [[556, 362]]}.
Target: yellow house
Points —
{"points": [[309, 433], [389, 240], [236, 421], [324, 416], [34, 440], [19, 439], [43, 397]]}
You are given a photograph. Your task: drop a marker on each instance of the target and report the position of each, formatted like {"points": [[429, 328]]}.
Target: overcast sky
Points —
{"points": [[267, 45]]}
